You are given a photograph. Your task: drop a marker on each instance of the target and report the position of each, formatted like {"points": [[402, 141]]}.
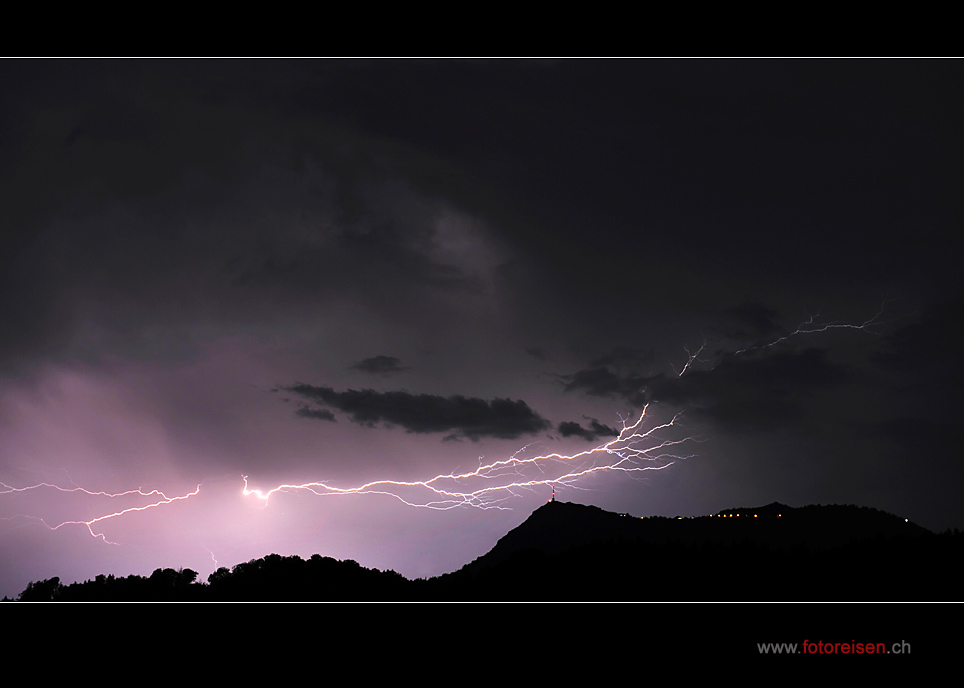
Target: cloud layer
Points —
{"points": [[460, 416]]}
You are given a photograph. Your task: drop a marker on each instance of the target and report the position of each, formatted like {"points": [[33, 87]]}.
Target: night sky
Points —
{"points": [[347, 271]]}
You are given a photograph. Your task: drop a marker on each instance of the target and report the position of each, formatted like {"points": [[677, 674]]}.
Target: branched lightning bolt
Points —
{"points": [[811, 326], [692, 357], [89, 524], [635, 449]]}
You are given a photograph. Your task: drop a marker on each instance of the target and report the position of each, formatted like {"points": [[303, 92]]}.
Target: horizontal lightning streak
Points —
{"points": [[634, 450], [626, 453], [7, 489], [810, 327]]}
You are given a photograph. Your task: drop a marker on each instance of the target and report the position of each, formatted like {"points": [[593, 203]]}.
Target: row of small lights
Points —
{"points": [[680, 518]]}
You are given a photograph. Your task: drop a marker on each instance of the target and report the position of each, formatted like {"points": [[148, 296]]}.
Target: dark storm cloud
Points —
{"points": [[143, 199], [757, 317], [386, 259], [385, 366], [596, 429], [211, 190], [427, 413], [602, 382], [928, 347], [923, 372], [315, 414], [537, 353], [749, 139], [738, 392], [624, 356], [753, 392]]}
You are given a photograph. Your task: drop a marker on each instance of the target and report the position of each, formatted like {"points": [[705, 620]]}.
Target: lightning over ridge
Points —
{"points": [[641, 445], [634, 450]]}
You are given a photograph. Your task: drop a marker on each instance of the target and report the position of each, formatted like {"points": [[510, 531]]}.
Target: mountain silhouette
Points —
{"points": [[572, 552], [567, 551]]}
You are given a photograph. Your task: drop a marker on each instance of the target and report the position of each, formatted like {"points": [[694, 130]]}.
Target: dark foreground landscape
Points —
{"points": [[570, 552]]}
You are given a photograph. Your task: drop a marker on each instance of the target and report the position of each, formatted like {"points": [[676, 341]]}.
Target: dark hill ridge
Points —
{"points": [[774, 552], [571, 552], [559, 526]]}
